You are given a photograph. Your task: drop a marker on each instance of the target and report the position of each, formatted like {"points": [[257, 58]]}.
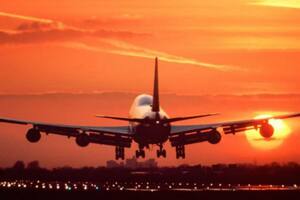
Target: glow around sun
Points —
{"points": [[279, 3], [282, 131]]}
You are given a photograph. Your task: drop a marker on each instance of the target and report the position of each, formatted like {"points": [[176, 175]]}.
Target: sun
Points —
{"points": [[282, 131], [279, 3]]}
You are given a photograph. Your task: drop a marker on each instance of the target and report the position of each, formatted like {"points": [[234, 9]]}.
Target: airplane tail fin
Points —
{"points": [[155, 104]]}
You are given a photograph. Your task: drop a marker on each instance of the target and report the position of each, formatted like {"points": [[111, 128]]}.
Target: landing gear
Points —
{"points": [[120, 153], [180, 152], [161, 152], [140, 152]]}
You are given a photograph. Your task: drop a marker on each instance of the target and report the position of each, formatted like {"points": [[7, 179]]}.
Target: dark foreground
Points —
{"points": [[41, 195], [25, 189], [220, 182]]}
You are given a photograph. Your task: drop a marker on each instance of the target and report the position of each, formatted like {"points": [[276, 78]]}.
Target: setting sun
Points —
{"points": [[282, 131], [280, 3]]}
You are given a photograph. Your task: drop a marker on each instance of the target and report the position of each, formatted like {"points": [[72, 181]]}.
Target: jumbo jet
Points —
{"points": [[149, 124]]}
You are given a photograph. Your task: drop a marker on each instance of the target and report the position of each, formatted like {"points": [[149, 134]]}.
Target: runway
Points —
{"points": [[147, 186]]}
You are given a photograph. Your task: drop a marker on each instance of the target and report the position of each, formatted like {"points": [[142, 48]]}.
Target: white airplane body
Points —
{"points": [[148, 125]]}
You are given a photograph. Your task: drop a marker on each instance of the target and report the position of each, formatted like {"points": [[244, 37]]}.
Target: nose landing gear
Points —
{"points": [[140, 152], [161, 152]]}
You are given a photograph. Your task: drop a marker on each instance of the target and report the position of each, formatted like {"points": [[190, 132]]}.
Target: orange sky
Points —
{"points": [[216, 47]]}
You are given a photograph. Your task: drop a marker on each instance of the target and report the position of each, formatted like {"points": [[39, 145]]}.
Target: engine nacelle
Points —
{"points": [[83, 140], [266, 130], [33, 135], [214, 137]]}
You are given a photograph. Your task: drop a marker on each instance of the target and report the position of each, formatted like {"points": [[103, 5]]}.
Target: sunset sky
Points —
{"points": [[212, 51]]}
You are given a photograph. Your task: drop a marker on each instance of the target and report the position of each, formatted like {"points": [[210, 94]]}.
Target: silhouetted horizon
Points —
{"points": [[272, 173]]}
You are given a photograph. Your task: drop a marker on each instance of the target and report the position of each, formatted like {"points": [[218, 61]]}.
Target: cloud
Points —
{"points": [[46, 30], [123, 20], [28, 18], [8, 37], [126, 49], [41, 30]]}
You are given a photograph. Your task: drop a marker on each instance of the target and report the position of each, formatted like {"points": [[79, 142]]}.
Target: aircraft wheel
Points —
{"points": [[164, 153], [158, 153], [137, 154], [143, 153]]}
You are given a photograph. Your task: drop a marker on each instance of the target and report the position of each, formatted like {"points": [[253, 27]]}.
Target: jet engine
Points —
{"points": [[266, 130], [214, 137], [33, 135], [82, 140]]}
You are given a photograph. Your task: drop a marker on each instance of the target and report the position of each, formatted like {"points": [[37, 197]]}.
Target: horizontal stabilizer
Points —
{"points": [[121, 118], [170, 120]]}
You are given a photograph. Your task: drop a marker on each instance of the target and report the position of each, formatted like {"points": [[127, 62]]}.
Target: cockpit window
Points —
{"points": [[145, 101]]}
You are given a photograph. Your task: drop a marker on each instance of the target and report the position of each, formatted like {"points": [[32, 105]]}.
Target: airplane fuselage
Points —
{"points": [[153, 130]]}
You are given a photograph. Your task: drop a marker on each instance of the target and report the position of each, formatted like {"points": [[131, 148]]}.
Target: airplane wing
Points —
{"points": [[115, 135], [189, 134]]}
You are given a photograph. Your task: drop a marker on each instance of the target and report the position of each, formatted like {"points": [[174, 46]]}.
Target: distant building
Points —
{"points": [[151, 163], [112, 164], [132, 163]]}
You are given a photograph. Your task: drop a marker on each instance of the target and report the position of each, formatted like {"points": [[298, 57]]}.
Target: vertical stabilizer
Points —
{"points": [[155, 105]]}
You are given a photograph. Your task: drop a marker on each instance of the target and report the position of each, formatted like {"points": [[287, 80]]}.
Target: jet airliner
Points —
{"points": [[148, 124]]}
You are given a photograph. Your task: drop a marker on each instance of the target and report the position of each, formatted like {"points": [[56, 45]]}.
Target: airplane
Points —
{"points": [[149, 124]]}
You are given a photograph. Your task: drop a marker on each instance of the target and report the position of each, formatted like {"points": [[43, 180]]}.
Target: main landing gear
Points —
{"points": [[120, 153], [180, 152], [161, 152]]}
